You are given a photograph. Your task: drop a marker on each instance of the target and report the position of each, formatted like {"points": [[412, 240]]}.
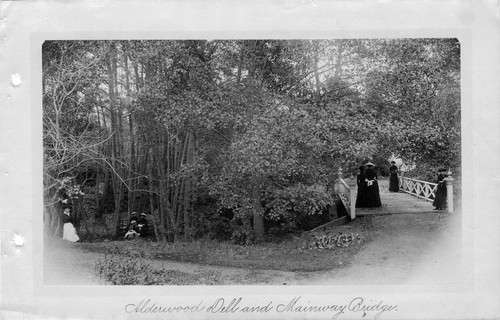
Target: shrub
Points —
{"points": [[305, 221], [242, 232], [281, 228], [329, 241], [219, 226], [132, 271]]}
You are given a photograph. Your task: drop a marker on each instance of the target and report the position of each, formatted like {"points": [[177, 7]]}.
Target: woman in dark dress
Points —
{"points": [[360, 197], [372, 193], [133, 217], [142, 225], [441, 193], [393, 179]]}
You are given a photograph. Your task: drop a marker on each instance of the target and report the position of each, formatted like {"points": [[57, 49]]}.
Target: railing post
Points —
{"points": [[449, 190], [400, 179], [336, 185], [352, 198]]}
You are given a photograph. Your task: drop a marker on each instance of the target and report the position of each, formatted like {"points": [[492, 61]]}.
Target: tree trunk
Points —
{"points": [[158, 230], [99, 211], [338, 63], [252, 63], [258, 214], [83, 215], [132, 161], [114, 138], [51, 211], [317, 82], [240, 63], [160, 159], [188, 185]]}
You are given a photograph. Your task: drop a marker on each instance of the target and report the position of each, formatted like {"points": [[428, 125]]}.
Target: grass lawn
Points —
{"points": [[291, 254]]}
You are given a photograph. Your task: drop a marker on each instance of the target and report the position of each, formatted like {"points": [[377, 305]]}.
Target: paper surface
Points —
{"points": [[24, 25]]}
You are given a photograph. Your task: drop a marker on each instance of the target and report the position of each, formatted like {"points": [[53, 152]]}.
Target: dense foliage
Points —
{"points": [[230, 139]]}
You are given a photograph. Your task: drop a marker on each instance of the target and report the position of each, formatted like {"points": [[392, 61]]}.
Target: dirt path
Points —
{"points": [[407, 249], [66, 264], [413, 248]]}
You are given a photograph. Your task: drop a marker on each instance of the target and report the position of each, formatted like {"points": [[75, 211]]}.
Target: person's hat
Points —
{"points": [[442, 169], [143, 214], [369, 164], [134, 213]]}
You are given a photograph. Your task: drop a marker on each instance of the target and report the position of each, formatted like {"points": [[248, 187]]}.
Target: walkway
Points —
{"points": [[413, 248], [396, 202]]}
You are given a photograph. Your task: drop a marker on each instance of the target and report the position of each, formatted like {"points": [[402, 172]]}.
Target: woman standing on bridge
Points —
{"points": [[360, 197], [372, 193], [440, 195], [393, 179]]}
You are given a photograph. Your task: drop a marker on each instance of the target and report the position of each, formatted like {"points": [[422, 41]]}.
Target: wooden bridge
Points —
{"points": [[415, 196]]}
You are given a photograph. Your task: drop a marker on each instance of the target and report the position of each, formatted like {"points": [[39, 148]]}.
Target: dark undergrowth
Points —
{"points": [[323, 251]]}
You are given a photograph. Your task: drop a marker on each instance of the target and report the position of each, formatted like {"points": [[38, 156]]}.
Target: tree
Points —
{"points": [[260, 126], [69, 139], [409, 97]]}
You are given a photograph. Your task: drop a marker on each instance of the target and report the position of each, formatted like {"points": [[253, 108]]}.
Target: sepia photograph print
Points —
{"points": [[234, 162], [217, 159]]}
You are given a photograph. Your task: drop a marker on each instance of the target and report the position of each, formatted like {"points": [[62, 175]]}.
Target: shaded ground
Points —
{"points": [[406, 248]]}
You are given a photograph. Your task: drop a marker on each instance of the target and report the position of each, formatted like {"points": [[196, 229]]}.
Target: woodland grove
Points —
{"points": [[236, 139]]}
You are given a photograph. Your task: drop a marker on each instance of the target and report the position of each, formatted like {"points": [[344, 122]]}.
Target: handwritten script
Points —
{"points": [[363, 307]]}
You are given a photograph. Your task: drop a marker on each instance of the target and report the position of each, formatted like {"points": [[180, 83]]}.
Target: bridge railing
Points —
{"points": [[418, 188], [346, 190], [427, 190]]}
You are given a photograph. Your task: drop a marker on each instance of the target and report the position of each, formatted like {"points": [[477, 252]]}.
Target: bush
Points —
{"points": [[280, 228], [219, 226], [330, 241], [100, 228], [133, 271], [305, 221], [242, 232]]}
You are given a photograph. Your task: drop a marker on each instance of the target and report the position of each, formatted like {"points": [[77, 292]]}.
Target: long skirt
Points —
{"points": [[361, 196], [69, 232], [394, 182], [440, 196], [372, 195]]}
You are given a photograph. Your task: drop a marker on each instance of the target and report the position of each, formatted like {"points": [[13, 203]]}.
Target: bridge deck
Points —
{"points": [[394, 203]]}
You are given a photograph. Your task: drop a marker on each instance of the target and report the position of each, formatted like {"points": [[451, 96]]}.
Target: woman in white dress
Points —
{"points": [[69, 231]]}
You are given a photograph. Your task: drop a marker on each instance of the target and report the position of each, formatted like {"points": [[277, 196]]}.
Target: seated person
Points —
{"points": [[134, 217], [132, 231], [143, 225]]}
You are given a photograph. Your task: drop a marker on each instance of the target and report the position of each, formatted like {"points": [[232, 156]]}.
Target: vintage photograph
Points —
{"points": [[252, 162]]}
